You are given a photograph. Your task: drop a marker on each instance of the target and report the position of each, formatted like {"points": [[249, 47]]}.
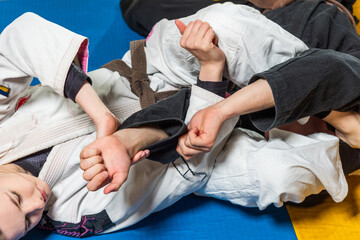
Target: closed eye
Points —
{"points": [[18, 197], [19, 201]]}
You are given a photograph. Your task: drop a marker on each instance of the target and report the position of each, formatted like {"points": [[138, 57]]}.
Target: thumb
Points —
{"points": [[194, 132], [193, 135], [117, 180], [181, 26], [139, 156]]}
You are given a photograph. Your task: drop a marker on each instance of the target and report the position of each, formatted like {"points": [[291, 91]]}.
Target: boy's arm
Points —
{"points": [[42, 49], [199, 39], [105, 122], [169, 115], [33, 47], [105, 163], [156, 128]]}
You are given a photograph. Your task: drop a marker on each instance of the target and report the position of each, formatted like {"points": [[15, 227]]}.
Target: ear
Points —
{"points": [[181, 26]]}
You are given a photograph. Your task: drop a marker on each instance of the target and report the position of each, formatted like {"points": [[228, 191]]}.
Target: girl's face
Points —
{"points": [[22, 201]]}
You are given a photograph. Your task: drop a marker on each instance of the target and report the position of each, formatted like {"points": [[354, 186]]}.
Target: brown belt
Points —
{"points": [[137, 75]]}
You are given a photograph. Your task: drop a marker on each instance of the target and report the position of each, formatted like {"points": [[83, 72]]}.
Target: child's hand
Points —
{"points": [[203, 129], [106, 162], [200, 40]]}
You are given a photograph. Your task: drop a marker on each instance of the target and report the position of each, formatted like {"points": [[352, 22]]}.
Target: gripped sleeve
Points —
{"points": [[302, 88], [169, 115], [321, 79]]}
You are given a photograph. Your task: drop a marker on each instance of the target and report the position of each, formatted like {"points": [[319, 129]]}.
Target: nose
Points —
{"points": [[33, 206], [33, 210]]}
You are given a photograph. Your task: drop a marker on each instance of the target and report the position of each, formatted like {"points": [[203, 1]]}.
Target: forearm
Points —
{"points": [[252, 98], [90, 102], [169, 115], [140, 138]]}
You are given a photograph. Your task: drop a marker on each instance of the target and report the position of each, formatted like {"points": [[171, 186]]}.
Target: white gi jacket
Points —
{"points": [[251, 42], [246, 169]]}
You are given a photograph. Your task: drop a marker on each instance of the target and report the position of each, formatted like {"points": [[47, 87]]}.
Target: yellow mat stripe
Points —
{"points": [[322, 218], [356, 13]]}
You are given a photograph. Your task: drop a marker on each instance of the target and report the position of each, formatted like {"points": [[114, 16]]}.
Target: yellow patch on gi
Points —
{"points": [[325, 219], [4, 91]]}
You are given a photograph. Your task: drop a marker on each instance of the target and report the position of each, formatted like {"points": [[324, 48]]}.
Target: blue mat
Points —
{"points": [[190, 218]]}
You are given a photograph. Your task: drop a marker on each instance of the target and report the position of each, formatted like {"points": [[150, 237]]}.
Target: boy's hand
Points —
{"points": [[200, 40], [203, 128], [106, 162]]}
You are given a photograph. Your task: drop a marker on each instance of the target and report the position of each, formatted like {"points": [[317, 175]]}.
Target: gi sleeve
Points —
{"points": [[34, 47], [316, 81], [169, 115]]}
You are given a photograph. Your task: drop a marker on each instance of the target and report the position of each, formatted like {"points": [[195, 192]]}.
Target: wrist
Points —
{"points": [[211, 72], [224, 110], [129, 139]]}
